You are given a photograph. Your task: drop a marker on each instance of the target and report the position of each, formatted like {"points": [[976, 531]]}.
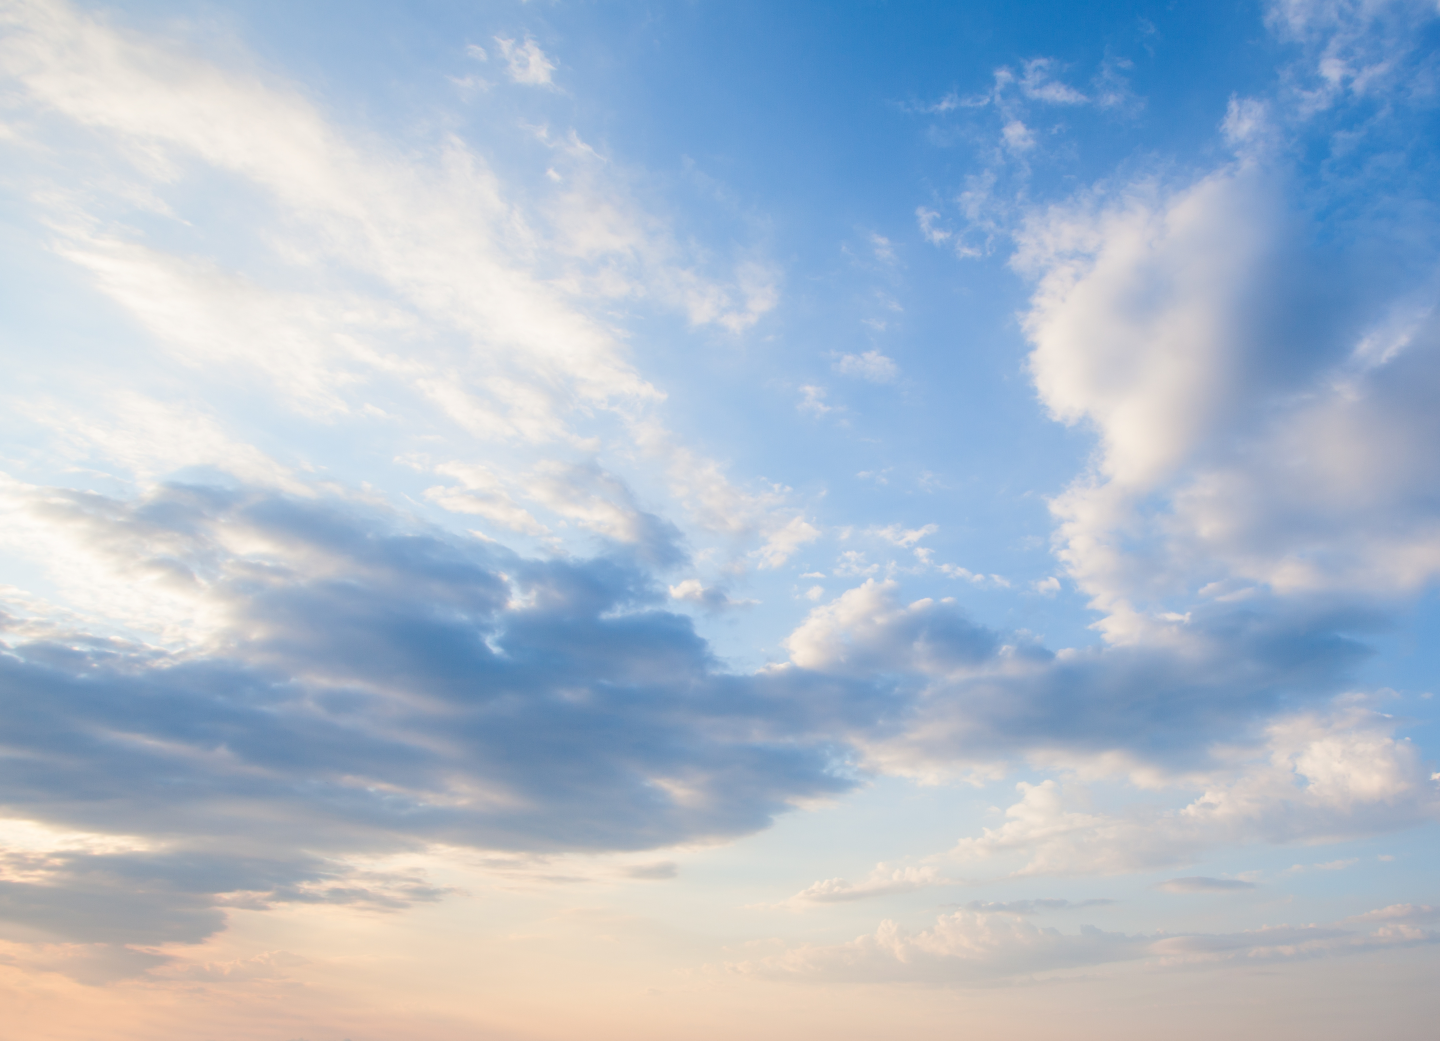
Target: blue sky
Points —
{"points": [[685, 519]]}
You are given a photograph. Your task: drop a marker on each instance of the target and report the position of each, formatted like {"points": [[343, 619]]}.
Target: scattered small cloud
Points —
{"points": [[872, 366], [1204, 884], [1330, 865], [527, 62], [812, 401], [901, 537]]}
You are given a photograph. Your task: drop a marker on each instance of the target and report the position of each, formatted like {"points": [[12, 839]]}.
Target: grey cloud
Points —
{"points": [[153, 897], [94, 964], [1220, 677], [374, 687]]}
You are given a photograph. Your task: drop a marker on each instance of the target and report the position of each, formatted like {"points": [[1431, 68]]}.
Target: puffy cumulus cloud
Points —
{"points": [[361, 686], [1335, 494], [1251, 369], [1147, 318], [971, 947], [865, 631], [1260, 419]]}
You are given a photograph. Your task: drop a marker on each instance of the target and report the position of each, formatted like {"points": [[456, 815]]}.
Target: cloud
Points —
{"points": [[351, 684], [409, 290], [883, 881], [872, 366], [865, 631], [526, 62], [658, 871], [1039, 84], [1327, 778], [484, 494], [1213, 711], [1202, 884], [367, 686], [969, 947], [899, 536], [1352, 48], [962, 947], [692, 590], [94, 964], [1013, 123], [1041, 906], [812, 400], [782, 543], [595, 499], [1252, 429]]}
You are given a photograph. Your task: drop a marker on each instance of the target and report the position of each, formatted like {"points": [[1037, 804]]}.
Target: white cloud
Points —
{"points": [[812, 400], [692, 590], [1327, 778], [783, 542], [883, 249], [1221, 369], [484, 494], [977, 947], [1017, 136], [141, 438], [1039, 84], [865, 630], [961, 947], [927, 219], [896, 534], [872, 366], [883, 881], [526, 62]]}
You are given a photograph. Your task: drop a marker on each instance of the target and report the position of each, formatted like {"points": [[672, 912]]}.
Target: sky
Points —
{"points": [[527, 521]]}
